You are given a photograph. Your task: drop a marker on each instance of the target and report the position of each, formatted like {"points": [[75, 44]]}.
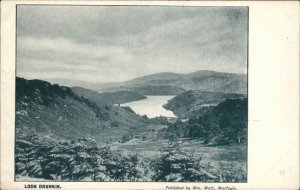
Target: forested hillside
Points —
{"points": [[225, 123], [189, 103]]}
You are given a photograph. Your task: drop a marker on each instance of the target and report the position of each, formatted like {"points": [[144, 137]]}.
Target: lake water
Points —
{"points": [[152, 106]]}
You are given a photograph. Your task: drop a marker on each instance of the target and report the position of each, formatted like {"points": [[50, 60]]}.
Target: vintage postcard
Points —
{"points": [[149, 95]]}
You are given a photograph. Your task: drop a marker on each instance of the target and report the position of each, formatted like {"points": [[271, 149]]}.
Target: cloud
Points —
{"points": [[100, 22], [65, 46], [109, 43]]}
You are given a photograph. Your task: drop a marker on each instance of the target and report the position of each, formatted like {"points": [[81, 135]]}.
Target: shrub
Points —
{"points": [[115, 124], [125, 138], [144, 137], [178, 165], [81, 161], [128, 109]]}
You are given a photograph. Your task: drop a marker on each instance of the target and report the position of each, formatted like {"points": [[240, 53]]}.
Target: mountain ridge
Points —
{"points": [[117, 97], [205, 80]]}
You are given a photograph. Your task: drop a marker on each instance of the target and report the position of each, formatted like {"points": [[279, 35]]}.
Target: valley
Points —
{"points": [[140, 126]]}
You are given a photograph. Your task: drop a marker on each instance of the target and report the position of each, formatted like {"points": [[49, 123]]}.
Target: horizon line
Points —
{"points": [[93, 82]]}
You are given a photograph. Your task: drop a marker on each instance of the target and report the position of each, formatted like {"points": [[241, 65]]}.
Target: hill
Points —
{"points": [[118, 97], [156, 90], [201, 80], [189, 103], [60, 113]]}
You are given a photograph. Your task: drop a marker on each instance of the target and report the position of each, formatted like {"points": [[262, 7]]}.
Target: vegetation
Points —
{"points": [[193, 102], [128, 109], [114, 124], [125, 138], [223, 124], [74, 138], [83, 160], [79, 160], [178, 165], [60, 112]]}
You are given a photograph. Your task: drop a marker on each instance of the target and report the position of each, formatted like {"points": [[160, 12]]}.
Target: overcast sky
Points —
{"points": [[116, 43]]}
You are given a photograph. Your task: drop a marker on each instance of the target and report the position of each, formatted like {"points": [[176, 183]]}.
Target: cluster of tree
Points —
{"points": [[41, 92], [223, 124], [160, 120], [30, 88]]}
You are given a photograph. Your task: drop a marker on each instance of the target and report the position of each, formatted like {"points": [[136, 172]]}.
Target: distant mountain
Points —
{"points": [[201, 80], [59, 112], [156, 89], [118, 97], [190, 102]]}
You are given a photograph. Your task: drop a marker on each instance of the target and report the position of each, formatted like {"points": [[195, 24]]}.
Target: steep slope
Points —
{"points": [[59, 113], [201, 80], [118, 97], [188, 103]]}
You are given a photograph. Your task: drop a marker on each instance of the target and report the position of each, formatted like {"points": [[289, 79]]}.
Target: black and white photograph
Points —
{"points": [[131, 93]]}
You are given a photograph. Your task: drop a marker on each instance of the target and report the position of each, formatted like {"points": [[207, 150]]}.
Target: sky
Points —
{"points": [[101, 44]]}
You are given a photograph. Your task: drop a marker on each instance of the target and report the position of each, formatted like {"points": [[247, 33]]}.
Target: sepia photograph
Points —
{"points": [[131, 93]]}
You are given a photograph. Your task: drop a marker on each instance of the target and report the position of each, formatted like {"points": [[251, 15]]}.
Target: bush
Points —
{"points": [[180, 166], [81, 161], [115, 124], [103, 116], [125, 138], [144, 137]]}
